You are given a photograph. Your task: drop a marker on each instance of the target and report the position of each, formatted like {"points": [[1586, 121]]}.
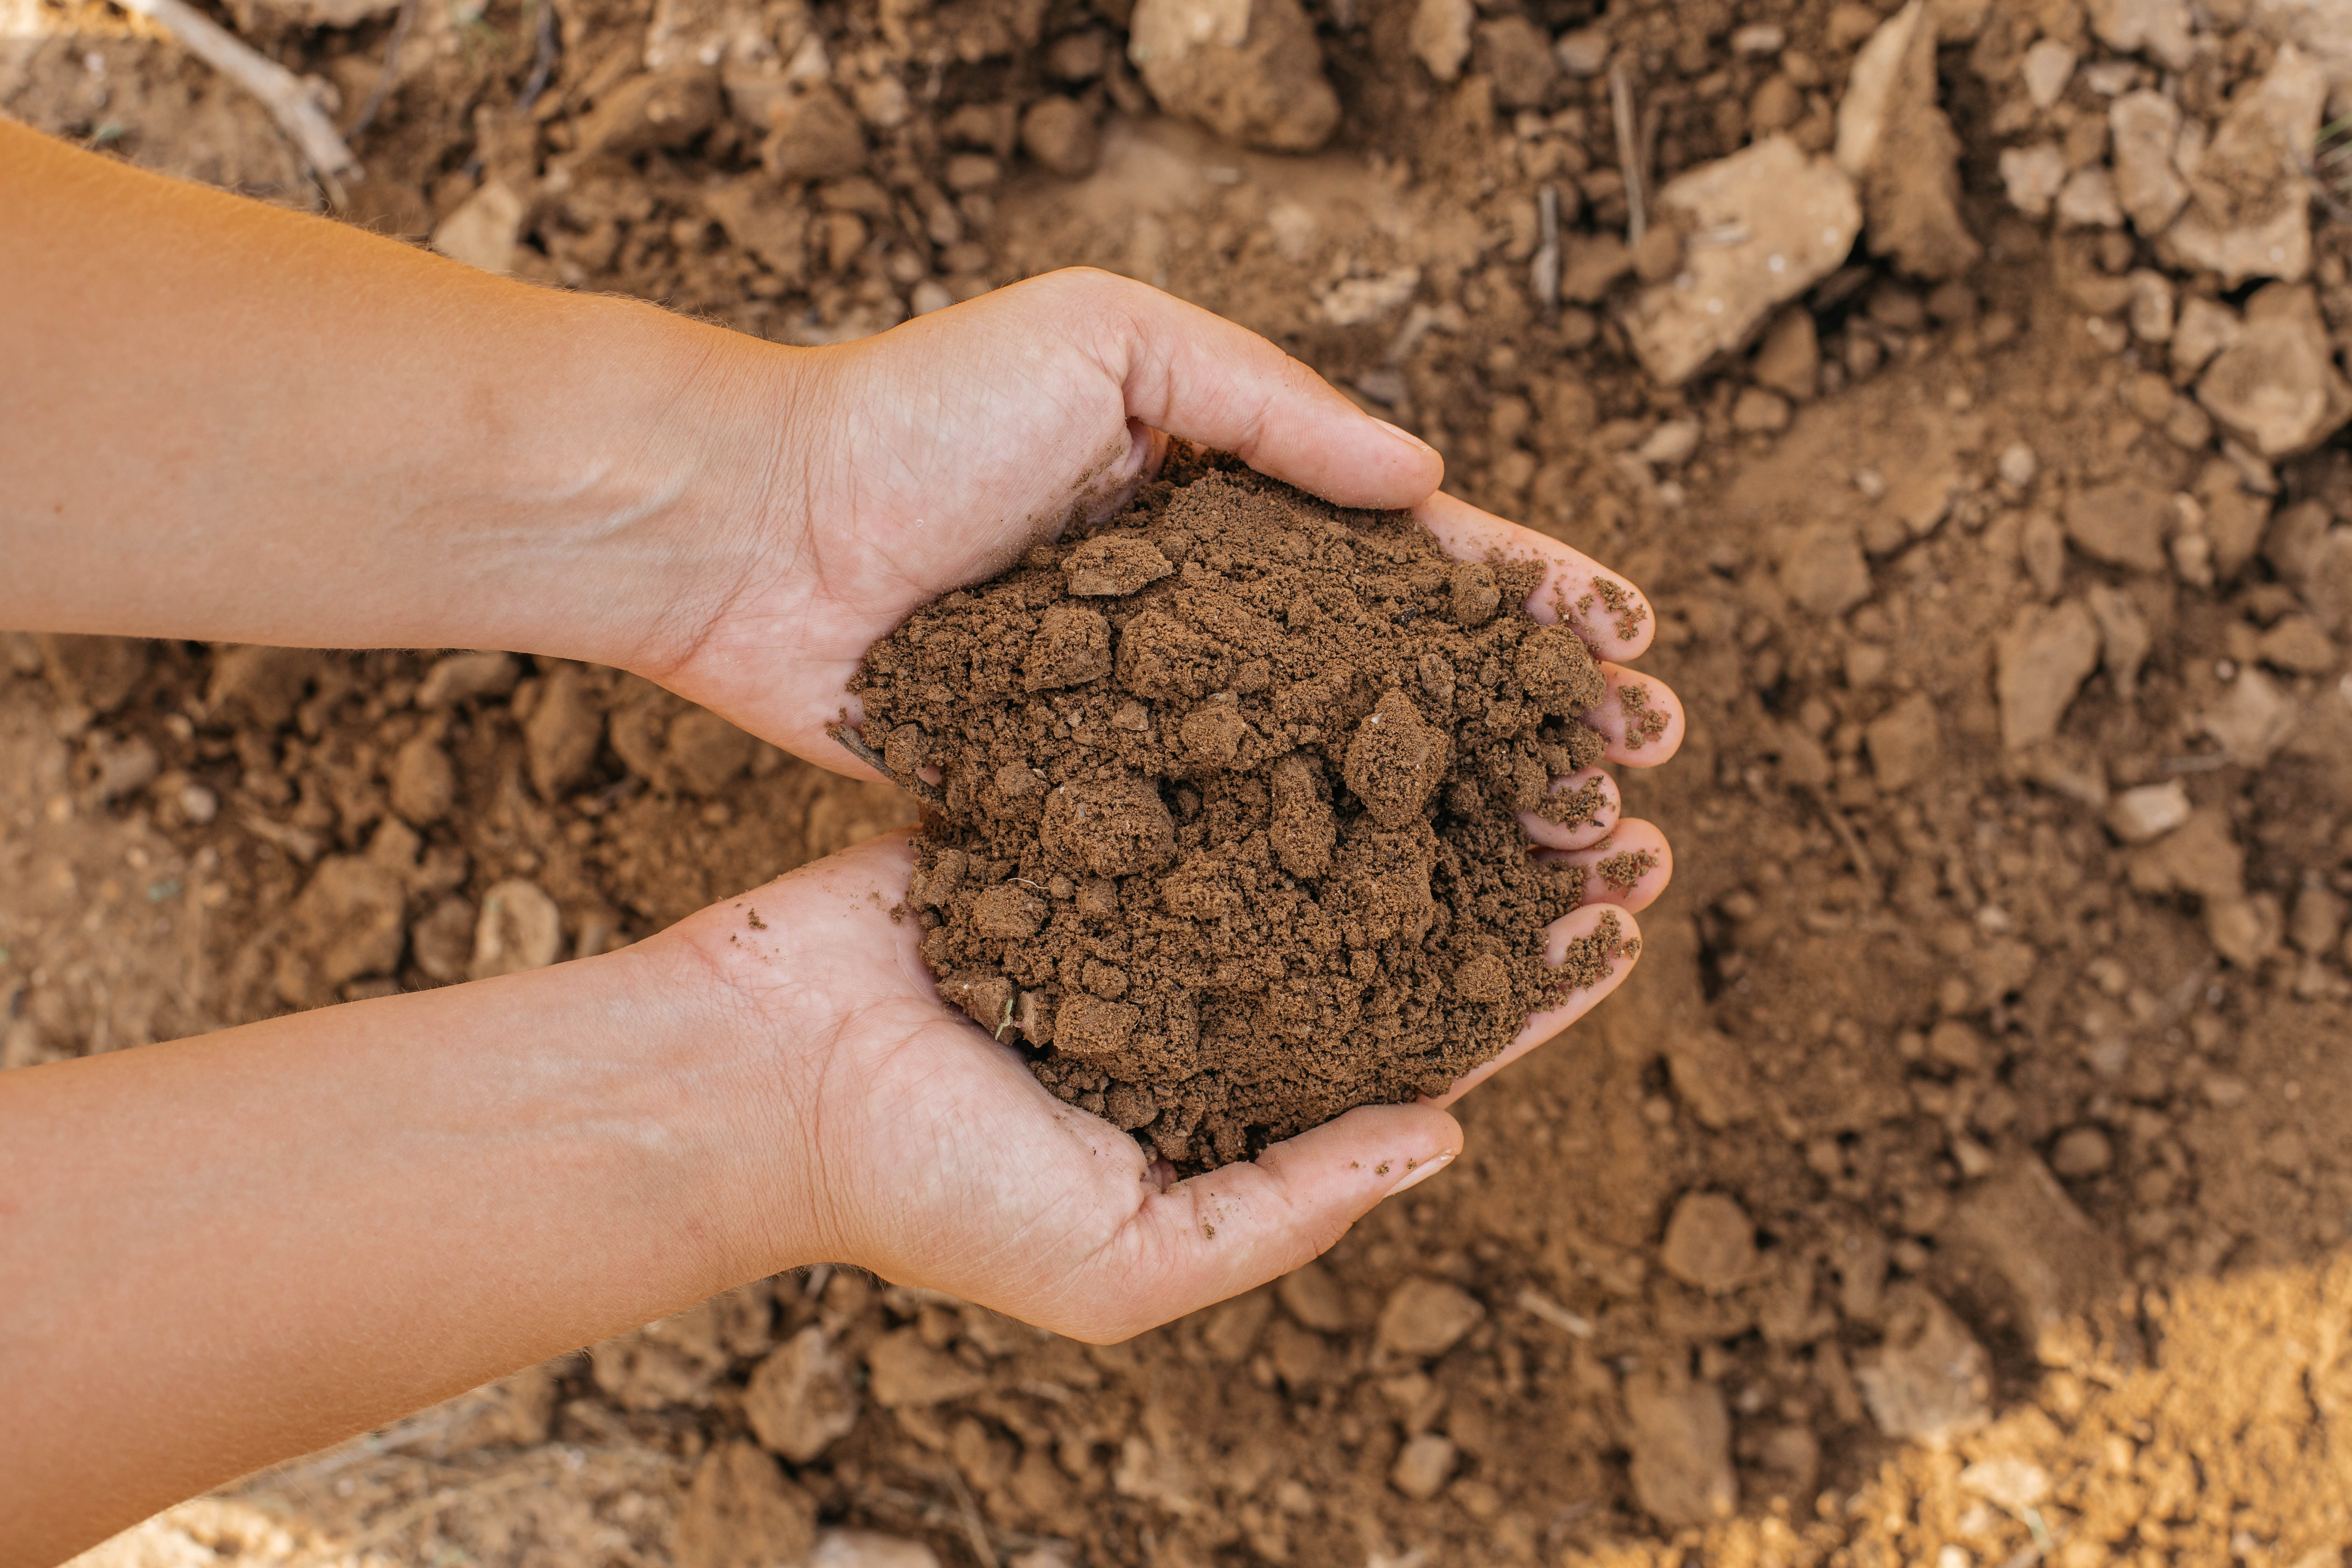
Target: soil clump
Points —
{"points": [[1226, 829]]}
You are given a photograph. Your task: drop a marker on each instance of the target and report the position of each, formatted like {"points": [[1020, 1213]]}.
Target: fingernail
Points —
{"points": [[1407, 436], [1420, 1174]]}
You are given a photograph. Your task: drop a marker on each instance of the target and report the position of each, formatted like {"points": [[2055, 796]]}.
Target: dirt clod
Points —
{"points": [[1286, 771]]}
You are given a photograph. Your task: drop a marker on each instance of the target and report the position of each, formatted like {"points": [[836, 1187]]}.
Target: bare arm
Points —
{"points": [[209, 403]]}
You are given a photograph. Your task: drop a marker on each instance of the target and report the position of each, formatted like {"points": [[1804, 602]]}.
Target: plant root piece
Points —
{"points": [[283, 93]]}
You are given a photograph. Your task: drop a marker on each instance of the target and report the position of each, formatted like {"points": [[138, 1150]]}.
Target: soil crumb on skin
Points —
{"points": [[1228, 838]]}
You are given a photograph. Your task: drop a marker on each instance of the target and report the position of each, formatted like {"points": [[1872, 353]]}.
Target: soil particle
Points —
{"points": [[799, 1401], [1679, 1434], [1710, 1243], [1229, 788], [520, 929], [1425, 1317], [740, 1510]]}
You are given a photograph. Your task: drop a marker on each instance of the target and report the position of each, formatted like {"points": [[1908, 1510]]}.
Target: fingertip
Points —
{"points": [[1590, 818], [1629, 868], [1599, 943], [1641, 719]]}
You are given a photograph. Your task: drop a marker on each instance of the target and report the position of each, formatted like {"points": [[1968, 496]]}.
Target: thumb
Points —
{"points": [[1221, 1233], [1199, 377]]}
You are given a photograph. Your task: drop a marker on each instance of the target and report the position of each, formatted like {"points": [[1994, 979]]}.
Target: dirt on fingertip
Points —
{"points": [[1227, 836]]}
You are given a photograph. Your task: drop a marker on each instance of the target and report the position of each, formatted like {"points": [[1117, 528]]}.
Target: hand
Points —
{"points": [[899, 1137], [883, 473], [932, 1155]]}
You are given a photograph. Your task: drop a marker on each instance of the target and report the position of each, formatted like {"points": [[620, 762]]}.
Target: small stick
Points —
{"points": [[855, 745], [1629, 151], [383, 78], [284, 94], [543, 64], [1543, 277], [1853, 842]]}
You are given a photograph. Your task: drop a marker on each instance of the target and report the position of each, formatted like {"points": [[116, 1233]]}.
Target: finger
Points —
{"points": [[1640, 719], [1587, 805], [1606, 610], [1596, 931], [1196, 376], [1221, 1233], [1629, 868]]}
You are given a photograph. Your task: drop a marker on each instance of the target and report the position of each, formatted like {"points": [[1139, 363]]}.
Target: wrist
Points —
{"points": [[663, 472]]}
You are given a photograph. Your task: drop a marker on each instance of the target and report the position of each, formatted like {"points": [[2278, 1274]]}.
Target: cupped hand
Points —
{"points": [[899, 1136], [929, 458]]}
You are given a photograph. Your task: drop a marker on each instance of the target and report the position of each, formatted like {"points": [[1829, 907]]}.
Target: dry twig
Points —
{"points": [[391, 71], [855, 745], [1543, 275], [1629, 151], [288, 99]]}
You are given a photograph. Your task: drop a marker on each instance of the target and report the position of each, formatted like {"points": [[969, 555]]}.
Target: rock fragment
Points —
{"points": [[706, 753], [1777, 222], [2250, 210], [2199, 855], [1439, 35], [1249, 70], [424, 782], [2088, 200], [2157, 28], [1424, 1466], [1789, 359], [1905, 743], [1930, 1381], [664, 109], [1679, 1435], [2277, 387], [2032, 175], [1309, 1294], [348, 924], [2041, 660], [1823, 569], [1896, 142], [800, 1400], [2144, 127], [2060, 1268], [2252, 719], [465, 676], [2047, 67], [2148, 812], [872, 1549], [563, 732], [520, 928], [1710, 1243], [443, 942], [1426, 1317], [2123, 524], [1516, 54], [741, 1512], [483, 231], [815, 136]]}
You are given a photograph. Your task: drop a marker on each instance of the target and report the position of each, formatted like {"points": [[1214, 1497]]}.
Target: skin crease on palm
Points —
{"points": [[233, 423]]}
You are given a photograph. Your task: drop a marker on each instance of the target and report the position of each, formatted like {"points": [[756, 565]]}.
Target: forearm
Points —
{"points": [[224, 1252], [222, 420]]}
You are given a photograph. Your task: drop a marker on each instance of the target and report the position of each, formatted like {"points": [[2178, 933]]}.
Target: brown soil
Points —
{"points": [[1226, 826], [1964, 1181]]}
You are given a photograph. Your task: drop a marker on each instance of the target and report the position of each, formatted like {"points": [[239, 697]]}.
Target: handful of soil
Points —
{"points": [[1222, 828]]}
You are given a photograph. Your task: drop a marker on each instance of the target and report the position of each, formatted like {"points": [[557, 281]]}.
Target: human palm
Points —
{"points": [[933, 455]]}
